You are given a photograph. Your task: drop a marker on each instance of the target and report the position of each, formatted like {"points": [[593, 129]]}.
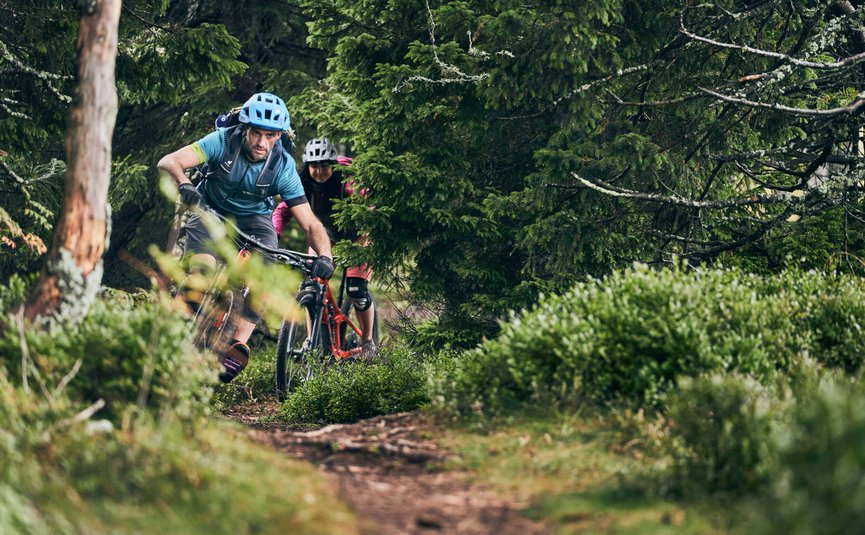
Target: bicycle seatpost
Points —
{"points": [[341, 289]]}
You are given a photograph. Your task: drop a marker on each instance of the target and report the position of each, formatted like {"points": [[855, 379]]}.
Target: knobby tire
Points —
{"points": [[296, 357]]}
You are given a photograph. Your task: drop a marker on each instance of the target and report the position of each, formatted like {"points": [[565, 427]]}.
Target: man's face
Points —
{"points": [[258, 142], [320, 171]]}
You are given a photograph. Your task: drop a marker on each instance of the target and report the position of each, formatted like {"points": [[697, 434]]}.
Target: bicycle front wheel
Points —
{"points": [[214, 311], [296, 356], [215, 322]]}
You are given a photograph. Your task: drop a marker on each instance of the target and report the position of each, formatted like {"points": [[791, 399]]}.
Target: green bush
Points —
{"points": [[819, 483], [13, 293], [28, 425], [630, 336], [132, 353], [61, 473], [720, 433], [354, 389]]}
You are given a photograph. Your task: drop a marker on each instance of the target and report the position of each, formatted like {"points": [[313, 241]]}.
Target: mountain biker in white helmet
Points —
{"points": [[323, 185]]}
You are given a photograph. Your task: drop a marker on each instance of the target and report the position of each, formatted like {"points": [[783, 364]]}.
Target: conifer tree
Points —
{"points": [[511, 148]]}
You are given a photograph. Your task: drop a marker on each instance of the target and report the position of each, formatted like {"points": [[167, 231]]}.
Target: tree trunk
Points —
{"points": [[73, 269]]}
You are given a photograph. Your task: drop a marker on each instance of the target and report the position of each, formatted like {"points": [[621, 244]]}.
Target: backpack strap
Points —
{"points": [[233, 166], [271, 169]]}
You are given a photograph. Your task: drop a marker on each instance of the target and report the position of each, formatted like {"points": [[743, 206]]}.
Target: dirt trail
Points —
{"points": [[389, 469]]}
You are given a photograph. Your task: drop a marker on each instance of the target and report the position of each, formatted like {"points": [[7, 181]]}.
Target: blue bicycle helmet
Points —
{"points": [[265, 111]]}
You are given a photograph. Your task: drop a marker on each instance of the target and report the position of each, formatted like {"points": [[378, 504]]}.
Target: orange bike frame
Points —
{"points": [[338, 319]]}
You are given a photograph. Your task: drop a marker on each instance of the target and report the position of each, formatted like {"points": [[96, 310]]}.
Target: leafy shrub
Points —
{"points": [[65, 475], [25, 425], [632, 335], [132, 353], [443, 333], [354, 390], [720, 433], [819, 484], [13, 293]]}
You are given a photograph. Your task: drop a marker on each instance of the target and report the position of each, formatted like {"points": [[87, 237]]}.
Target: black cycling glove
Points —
{"points": [[322, 267], [189, 195]]}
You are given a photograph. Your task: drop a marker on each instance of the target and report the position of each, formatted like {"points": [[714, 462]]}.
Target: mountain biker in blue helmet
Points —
{"points": [[247, 166]]}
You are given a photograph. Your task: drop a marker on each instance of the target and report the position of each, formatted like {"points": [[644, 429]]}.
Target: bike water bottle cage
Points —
{"points": [[233, 166]]}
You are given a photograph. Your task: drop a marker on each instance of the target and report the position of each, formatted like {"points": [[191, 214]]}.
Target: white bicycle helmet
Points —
{"points": [[319, 150]]}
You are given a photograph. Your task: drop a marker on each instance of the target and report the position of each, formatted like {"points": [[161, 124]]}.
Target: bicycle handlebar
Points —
{"points": [[302, 261]]}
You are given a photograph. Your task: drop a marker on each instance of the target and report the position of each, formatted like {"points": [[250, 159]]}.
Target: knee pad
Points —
{"points": [[358, 291]]}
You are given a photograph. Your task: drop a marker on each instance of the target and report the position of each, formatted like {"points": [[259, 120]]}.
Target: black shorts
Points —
{"points": [[259, 226]]}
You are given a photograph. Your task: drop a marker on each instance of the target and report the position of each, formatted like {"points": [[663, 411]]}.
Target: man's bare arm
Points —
{"points": [[316, 234], [176, 164]]}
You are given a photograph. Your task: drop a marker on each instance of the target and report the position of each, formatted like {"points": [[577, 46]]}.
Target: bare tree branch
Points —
{"points": [[846, 62], [5, 104], [45, 76], [615, 191], [655, 103], [851, 108], [452, 73], [11, 172], [745, 240]]}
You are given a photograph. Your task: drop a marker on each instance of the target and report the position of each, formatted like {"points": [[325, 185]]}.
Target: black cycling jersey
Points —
{"points": [[321, 199]]}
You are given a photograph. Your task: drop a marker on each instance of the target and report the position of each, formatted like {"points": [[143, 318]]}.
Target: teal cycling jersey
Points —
{"points": [[242, 198]]}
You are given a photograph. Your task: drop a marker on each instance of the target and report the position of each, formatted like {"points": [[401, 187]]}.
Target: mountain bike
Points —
{"points": [[216, 308], [319, 337]]}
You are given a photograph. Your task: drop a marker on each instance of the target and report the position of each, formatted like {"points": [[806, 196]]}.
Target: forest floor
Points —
{"points": [[393, 472]]}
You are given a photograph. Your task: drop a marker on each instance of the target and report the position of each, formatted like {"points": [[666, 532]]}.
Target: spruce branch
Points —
{"points": [[615, 191], [48, 77]]}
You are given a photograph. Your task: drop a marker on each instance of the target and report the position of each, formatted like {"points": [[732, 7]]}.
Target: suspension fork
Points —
{"points": [[317, 314]]}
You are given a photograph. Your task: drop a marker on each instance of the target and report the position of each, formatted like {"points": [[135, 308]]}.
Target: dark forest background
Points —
{"points": [[511, 149]]}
